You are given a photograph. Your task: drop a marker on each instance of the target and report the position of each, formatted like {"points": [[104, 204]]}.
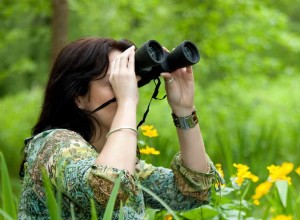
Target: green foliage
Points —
{"points": [[156, 197], [53, 206], [252, 119], [8, 205], [93, 210], [17, 115], [229, 203], [204, 212], [247, 81], [112, 200], [24, 40], [282, 187]]}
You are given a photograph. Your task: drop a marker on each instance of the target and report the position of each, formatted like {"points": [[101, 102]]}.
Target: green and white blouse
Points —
{"points": [[70, 164]]}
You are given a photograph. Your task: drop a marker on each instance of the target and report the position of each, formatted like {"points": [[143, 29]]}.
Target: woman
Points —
{"points": [[84, 147]]}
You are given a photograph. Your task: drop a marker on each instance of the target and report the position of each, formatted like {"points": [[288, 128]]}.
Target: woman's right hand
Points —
{"points": [[119, 150], [122, 76]]}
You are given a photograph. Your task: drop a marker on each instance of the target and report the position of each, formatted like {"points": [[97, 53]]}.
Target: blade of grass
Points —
{"points": [[9, 206], [112, 199], [5, 215], [53, 208], [72, 212], [282, 187], [159, 200], [121, 213], [93, 210]]}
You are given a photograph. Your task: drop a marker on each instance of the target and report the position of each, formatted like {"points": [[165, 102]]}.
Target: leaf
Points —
{"points": [[150, 213], [282, 187], [53, 208], [159, 200], [121, 213], [5, 215], [112, 199], [72, 212], [202, 212], [9, 206], [93, 210], [233, 214]]}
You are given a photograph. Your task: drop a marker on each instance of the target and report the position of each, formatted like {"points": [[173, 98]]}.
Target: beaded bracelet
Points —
{"points": [[122, 128]]}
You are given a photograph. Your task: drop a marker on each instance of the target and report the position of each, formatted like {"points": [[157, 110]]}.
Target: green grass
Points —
{"points": [[254, 121]]}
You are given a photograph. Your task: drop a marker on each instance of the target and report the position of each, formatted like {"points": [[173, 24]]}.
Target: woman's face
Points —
{"points": [[100, 92]]}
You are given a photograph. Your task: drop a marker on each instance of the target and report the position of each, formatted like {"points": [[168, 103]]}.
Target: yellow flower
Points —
{"points": [[219, 169], [256, 202], [168, 217], [298, 170], [149, 150], [261, 190], [221, 172], [280, 172], [283, 217], [244, 173], [149, 131]]}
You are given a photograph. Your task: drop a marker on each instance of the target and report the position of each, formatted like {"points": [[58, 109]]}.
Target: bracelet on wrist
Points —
{"points": [[120, 129], [186, 122]]}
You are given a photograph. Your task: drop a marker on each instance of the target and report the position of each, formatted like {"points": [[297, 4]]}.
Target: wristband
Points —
{"points": [[186, 122]]}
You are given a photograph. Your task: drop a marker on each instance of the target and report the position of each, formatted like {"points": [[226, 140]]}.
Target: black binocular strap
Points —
{"points": [[103, 105], [157, 83]]}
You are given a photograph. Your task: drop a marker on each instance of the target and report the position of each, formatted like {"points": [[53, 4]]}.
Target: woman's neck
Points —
{"points": [[98, 139]]}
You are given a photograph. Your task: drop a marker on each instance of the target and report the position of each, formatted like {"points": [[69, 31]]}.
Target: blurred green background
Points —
{"points": [[247, 81]]}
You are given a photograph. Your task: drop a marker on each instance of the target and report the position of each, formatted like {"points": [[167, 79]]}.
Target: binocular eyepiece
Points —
{"points": [[151, 59]]}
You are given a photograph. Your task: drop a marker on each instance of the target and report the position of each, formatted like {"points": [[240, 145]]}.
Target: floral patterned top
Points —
{"points": [[70, 163]]}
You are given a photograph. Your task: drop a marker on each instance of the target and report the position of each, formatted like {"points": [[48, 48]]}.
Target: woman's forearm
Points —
{"points": [[119, 150], [192, 148]]}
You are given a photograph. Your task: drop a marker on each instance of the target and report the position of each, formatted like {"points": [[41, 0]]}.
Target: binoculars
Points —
{"points": [[151, 59]]}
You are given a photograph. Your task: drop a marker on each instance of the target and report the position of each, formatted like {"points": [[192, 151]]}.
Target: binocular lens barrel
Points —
{"points": [[151, 59], [183, 55], [155, 51], [191, 52], [149, 55]]}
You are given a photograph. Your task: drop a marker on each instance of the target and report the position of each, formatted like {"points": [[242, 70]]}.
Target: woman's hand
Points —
{"points": [[119, 150], [180, 90], [122, 76], [180, 93]]}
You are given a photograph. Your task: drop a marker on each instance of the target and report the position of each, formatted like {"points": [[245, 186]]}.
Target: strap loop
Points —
{"points": [[157, 83]]}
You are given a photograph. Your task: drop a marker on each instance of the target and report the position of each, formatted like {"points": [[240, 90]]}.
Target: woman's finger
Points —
{"points": [[169, 79], [131, 59]]}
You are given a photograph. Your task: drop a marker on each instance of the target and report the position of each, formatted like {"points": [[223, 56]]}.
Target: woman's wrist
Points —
{"points": [[183, 111], [128, 103], [185, 122], [125, 115]]}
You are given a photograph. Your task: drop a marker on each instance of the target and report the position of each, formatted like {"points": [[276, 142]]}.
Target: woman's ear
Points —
{"points": [[80, 102]]}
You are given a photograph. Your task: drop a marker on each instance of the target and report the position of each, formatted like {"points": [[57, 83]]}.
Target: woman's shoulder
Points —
{"points": [[55, 137], [58, 133]]}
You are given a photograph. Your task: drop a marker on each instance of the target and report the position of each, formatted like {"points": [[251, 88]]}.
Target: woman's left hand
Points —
{"points": [[180, 90]]}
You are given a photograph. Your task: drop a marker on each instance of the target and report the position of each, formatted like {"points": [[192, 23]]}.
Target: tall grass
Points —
{"points": [[247, 120], [231, 203], [8, 204], [8, 207]]}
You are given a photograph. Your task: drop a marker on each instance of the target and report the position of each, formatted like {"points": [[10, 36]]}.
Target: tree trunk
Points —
{"points": [[59, 27]]}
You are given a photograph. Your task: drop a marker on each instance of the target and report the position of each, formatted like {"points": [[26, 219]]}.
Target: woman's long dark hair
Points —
{"points": [[77, 64], [75, 67]]}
